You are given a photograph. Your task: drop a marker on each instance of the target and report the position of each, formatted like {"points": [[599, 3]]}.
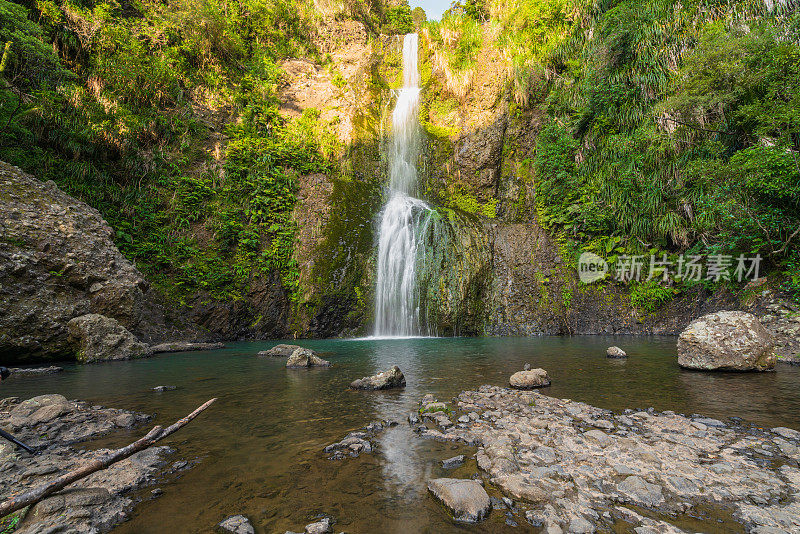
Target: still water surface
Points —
{"points": [[259, 447]]}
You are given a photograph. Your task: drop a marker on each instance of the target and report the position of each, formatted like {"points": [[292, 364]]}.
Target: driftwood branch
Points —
{"points": [[37, 494]]}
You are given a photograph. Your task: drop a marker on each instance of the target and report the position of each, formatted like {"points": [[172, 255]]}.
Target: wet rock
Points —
{"points": [[465, 499], [536, 449], [615, 352], [535, 378], [280, 351], [236, 524], [727, 341], [101, 338], [50, 423], [161, 389], [393, 378], [306, 358], [453, 462], [787, 433], [184, 346], [322, 526], [356, 442]]}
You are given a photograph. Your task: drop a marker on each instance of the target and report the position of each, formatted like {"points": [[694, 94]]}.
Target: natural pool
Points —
{"points": [[260, 447]]}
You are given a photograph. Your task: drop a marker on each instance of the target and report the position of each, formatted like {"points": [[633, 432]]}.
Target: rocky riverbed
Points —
{"points": [[52, 425], [572, 467]]}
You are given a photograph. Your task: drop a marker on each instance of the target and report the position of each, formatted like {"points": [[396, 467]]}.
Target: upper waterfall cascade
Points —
{"points": [[404, 218]]}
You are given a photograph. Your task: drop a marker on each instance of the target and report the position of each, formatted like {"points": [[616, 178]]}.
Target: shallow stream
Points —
{"points": [[259, 449]]}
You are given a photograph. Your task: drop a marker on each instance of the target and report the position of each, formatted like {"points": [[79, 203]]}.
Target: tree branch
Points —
{"points": [[35, 495]]}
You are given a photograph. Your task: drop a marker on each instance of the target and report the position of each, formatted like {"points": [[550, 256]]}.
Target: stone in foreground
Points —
{"points": [[726, 341], [280, 351], [305, 358], [236, 524], [393, 378], [615, 352], [465, 499], [101, 338], [322, 526], [535, 378]]}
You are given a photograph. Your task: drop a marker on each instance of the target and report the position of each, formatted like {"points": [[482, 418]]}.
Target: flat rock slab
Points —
{"points": [[35, 371], [184, 346], [50, 424], [465, 499], [544, 453]]}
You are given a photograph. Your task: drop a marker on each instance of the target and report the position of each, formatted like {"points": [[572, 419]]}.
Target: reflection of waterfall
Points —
{"points": [[404, 217]]}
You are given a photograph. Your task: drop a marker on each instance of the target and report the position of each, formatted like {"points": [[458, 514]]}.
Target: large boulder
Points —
{"points": [[534, 378], [280, 351], [726, 341], [101, 338], [465, 499], [393, 378], [306, 358], [57, 262]]}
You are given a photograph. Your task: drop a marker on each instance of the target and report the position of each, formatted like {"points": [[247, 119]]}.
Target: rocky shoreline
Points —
{"points": [[572, 467], [52, 425]]}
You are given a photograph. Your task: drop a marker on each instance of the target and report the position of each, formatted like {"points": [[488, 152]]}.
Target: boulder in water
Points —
{"points": [[534, 378], [306, 358], [465, 499], [726, 341], [101, 338], [393, 378], [615, 352], [280, 351]]}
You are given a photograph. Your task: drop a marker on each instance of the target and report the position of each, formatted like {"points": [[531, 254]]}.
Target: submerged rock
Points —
{"points": [[535, 378], [50, 424], [615, 352], [453, 462], [393, 378], [465, 499], [236, 524], [726, 341], [103, 339], [184, 346], [35, 371], [280, 351], [306, 358]]}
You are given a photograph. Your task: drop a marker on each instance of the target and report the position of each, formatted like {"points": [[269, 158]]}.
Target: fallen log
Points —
{"points": [[35, 495]]}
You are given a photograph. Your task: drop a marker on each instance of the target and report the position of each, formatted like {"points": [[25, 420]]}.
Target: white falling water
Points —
{"points": [[403, 217]]}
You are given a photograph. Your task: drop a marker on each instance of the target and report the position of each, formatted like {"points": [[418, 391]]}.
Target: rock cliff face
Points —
{"points": [[57, 262]]}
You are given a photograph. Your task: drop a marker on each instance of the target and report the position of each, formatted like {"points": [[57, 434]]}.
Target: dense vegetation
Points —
{"points": [[163, 115], [671, 128]]}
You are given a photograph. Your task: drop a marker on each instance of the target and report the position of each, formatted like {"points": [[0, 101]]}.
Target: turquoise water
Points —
{"points": [[259, 448]]}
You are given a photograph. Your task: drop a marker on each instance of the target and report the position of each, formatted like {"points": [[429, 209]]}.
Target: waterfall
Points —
{"points": [[403, 218]]}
